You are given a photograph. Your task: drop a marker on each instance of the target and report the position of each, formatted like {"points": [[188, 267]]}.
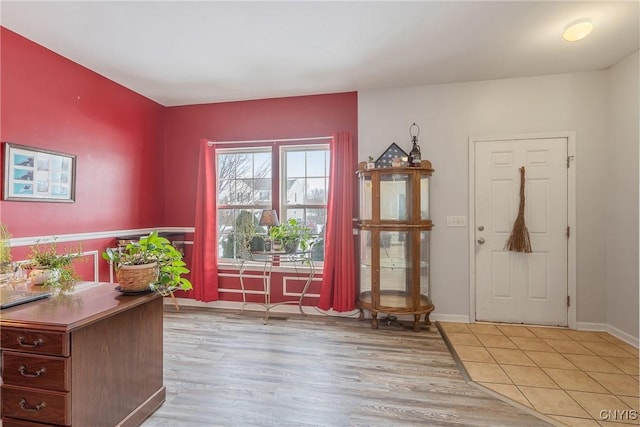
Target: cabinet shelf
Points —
{"points": [[394, 243]]}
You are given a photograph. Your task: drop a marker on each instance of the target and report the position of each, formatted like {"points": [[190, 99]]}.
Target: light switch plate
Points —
{"points": [[456, 221]]}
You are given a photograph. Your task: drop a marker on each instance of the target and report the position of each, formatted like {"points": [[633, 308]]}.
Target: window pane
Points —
{"points": [[262, 164], [297, 214], [244, 178], [224, 166], [316, 193], [295, 191], [295, 164], [316, 220], [316, 163], [236, 228]]}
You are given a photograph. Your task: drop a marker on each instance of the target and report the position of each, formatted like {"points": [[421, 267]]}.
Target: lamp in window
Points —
{"points": [[268, 218]]}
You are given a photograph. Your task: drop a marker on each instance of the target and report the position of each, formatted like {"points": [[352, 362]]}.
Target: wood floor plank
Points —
{"points": [[227, 369]]}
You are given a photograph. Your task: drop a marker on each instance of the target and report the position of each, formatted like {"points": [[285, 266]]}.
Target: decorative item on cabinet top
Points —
{"points": [[414, 155], [393, 156], [424, 164]]}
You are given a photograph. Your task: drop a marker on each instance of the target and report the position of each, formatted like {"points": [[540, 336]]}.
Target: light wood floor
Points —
{"points": [[225, 369]]}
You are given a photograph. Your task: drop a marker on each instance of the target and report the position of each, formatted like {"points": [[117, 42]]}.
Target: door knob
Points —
{"points": [[481, 240]]}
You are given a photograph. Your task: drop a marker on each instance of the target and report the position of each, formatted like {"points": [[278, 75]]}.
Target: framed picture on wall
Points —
{"points": [[38, 175]]}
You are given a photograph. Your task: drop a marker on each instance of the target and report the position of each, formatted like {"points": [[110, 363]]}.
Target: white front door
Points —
{"points": [[517, 287]]}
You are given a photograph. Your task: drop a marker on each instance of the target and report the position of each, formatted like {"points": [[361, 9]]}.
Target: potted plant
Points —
{"points": [[5, 254], [48, 267], [246, 237], [152, 263], [292, 235], [370, 163]]}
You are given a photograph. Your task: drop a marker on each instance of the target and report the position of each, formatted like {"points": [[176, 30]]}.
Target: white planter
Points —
{"points": [[39, 275]]}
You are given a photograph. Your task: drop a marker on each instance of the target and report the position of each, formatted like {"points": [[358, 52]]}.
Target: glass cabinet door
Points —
{"points": [[395, 200], [366, 278], [395, 274], [425, 285], [424, 197], [366, 197]]}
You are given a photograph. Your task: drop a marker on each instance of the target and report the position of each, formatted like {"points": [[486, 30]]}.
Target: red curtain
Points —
{"points": [[338, 289], [204, 268]]}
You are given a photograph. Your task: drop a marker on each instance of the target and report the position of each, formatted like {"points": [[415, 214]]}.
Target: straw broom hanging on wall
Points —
{"points": [[519, 239]]}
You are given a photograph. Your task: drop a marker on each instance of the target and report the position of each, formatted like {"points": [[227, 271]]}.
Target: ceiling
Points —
{"points": [[182, 52]]}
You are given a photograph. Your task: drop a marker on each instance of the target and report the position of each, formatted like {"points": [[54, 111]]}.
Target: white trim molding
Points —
{"points": [[95, 235]]}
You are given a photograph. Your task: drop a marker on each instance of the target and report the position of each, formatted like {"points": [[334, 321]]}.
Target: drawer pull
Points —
{"points": [[23, 371], [34, 344], [26, 408]]}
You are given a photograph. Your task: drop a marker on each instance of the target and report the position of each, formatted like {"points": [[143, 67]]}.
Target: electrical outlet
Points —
{"points": [[456, 221]]}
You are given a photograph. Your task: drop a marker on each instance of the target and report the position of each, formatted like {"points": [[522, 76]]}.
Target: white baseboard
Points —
{"points": [[590, 326], [293, 309], [628, 338], [283, 308], [453, 318], [604, 327]]}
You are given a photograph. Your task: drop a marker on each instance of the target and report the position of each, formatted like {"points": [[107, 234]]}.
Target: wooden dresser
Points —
{"points": [[90, 359]]}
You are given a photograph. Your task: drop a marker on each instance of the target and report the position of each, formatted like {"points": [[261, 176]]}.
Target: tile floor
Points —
{"points": [[574, 378]]}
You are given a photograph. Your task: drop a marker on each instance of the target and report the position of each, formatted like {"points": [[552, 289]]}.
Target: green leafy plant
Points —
{"points": [[291, 231], [150, 249], [247, 236], [5, 250], [46, 256]]}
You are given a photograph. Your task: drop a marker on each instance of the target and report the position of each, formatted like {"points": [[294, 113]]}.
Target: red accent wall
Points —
{"points": [[293, 117], [136, 160], [51, 102]]}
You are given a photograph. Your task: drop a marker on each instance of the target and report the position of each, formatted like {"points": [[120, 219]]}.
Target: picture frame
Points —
{"points": [[392, 152], [38, 175]]}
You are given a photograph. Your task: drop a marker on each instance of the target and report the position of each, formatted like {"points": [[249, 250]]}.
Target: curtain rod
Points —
{"points": [[255, 141]]}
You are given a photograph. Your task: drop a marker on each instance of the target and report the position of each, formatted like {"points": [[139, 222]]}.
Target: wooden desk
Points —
{"points": [[93, 358]]}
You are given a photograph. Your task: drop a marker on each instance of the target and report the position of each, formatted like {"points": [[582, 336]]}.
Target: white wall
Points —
{"points": [[449, 114], [622, 197]]}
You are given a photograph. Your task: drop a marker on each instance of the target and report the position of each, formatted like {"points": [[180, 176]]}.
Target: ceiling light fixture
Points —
{"points": [[577, 30]]}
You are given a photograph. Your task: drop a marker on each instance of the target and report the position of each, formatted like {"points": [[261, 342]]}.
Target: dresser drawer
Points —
{"points": [[51, 407], [48, 372], [54, 343], [14, 422]]}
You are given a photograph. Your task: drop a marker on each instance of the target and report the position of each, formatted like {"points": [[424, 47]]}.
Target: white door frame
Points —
{"points": [[571, 216]]}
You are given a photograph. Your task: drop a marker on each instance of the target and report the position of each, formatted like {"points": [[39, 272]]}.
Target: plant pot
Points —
{"points": [[276, 245], [137, 278], [291, 246], [39, 275], [256, 244]]}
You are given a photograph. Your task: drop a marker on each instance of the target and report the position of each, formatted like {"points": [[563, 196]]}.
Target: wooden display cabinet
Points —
{"points": [[394, 242]]}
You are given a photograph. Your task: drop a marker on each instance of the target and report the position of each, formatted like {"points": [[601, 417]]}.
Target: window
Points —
{"points": [[247, 185], [305, 185], [244, 189]]}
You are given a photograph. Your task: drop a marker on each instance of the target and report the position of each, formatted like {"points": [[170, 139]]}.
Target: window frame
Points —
{"points": [[282, 179], [278, 187]]}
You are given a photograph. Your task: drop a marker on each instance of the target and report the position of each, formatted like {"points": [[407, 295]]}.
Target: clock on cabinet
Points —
{"points": [[394, 229]]}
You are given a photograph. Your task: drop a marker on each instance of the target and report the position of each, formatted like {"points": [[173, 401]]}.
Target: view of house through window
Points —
{"points": [[247, 184]]}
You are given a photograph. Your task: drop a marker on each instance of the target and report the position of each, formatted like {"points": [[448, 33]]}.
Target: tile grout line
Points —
{"points": [[467, 378], [543, 337]]}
